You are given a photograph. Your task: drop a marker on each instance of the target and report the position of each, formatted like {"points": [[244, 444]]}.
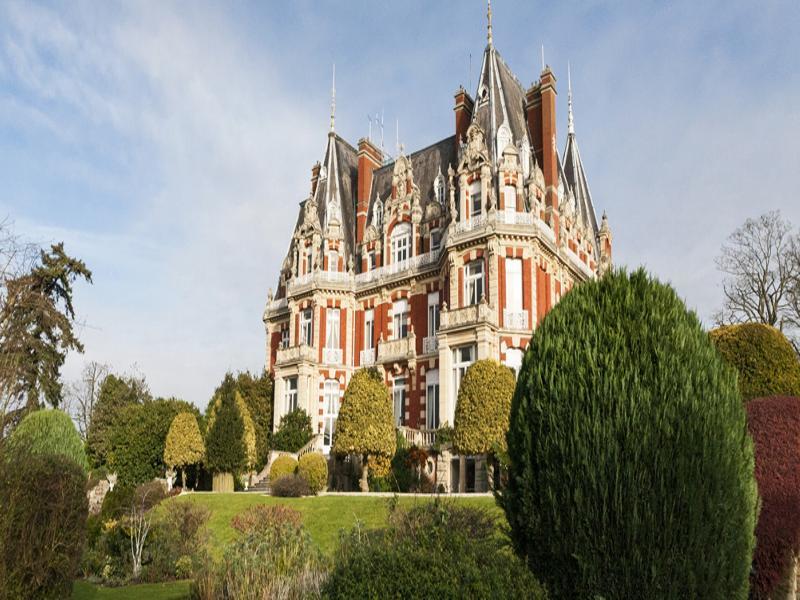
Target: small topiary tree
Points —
{"points": [[282, 466], [184, 445], [631, 469], [225, 447], [774, 424], [365, 425], [483, 409], [764, 358], [50, 432], [294, 431], [314, 469]]}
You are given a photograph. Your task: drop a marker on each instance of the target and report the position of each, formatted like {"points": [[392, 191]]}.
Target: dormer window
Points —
{"points": [[308, 259], [438, 188], [475, 199], [333, 261], [401, 242], [436, 239], [510, 199]]}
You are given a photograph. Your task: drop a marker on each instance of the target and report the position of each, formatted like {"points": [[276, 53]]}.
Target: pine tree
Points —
{"points": [[225, 446]]}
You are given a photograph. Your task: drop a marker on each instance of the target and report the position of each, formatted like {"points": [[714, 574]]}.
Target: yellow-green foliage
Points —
{"points": [[366, 423], [282, 466], [249, 427], [184, 445], [483, 408], [314, 469], [764, 358]]}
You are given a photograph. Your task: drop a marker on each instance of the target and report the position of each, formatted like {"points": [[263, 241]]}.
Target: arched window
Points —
{"points": [[401, 242], [438, 188]]}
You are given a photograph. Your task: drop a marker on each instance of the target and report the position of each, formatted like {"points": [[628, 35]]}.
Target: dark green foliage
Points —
{"points": [[50, 432], [289, 486], [36, 328], [763, 357], [225, 450], [631, 469], [257, 393], [294, 431], [116, 393], [436, 550], [42, 524], [138, 437]]}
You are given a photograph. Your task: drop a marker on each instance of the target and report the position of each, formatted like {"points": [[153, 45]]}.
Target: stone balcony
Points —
{"points": [[468, 315], [401, 349], [515, 319], [295, 354]]}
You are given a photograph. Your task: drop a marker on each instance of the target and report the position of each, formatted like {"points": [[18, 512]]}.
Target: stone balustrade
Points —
{"points": [[367, 357], [515, 319], [295, 354], [396, 349], [468, 315]]}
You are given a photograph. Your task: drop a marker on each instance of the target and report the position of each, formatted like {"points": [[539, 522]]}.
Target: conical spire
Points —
{"points": [[333, 97], [570, 121]]}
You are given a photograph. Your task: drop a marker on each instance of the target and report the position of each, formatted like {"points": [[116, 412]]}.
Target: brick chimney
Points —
{"points": [[463, 109], [369, 159], [540, 105], [314, 177]]}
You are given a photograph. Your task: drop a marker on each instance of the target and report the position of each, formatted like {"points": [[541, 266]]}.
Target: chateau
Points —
{"points": [[422, 263]]}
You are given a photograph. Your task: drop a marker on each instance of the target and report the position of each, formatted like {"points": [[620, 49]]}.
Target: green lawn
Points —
{"points": [[323, 518]]}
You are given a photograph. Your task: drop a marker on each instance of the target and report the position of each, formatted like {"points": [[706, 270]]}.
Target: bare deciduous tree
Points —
{"points": [[761, 262], [140, 522], [82, 395]]}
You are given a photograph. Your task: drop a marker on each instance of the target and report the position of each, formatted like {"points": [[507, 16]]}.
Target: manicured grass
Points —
{"points": [[174, 590], [323, 516]]}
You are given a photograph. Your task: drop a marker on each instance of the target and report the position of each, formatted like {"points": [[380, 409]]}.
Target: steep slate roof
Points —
{"points": [[425, 164], [576, 180], [341, 164]]}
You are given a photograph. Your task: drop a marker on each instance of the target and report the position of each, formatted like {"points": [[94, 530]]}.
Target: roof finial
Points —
{"points": [[489, 18], [542, 57], [333, 97], [570, 121]]}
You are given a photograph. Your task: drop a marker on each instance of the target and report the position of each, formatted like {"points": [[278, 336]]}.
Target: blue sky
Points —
{"points": [[168, 144]]}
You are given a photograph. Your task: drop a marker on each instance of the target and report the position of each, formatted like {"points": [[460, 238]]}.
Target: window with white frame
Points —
{"points": [[369, 329], [330, 400], [432, 399], [306, 329], [510, 199], [463, 357], [285, 337], [308, 259], [399, 399], [333, 261], [433, 313], [371, 260], [475, 199], [438, 188], [436, 239], [290, 393], [401, 242], [514, 285], [473, 281], [514, 360], [332, 330], [400, 318]]}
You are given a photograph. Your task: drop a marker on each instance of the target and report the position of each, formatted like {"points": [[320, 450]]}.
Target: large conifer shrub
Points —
{"points": [[225, 446], [763, 357], [50, 432], [631, 469]]}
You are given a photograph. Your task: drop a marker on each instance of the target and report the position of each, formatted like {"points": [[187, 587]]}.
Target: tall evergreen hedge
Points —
{"points": [[50, 432], [631, 469], [225, 446], [763, 357]]}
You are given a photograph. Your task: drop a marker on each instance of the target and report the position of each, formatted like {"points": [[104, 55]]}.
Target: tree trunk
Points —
{"points": [[364, 474], [462, 473], [183, 478]]}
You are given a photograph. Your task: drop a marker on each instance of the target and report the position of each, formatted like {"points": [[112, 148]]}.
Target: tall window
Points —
{"points": [[308, 259], [330, 398], [399, 398], [436, 239], [463, 357], [514, 284], [285, 337], [475, 199], [371, 260], [290, 393], [510, 198], [332, 330], [306, 330], [433, 313], [401, 242], [400, 318], [432, 399], [333, 261], [369, 329], [514, 360], [473, 281], [438, 188]]}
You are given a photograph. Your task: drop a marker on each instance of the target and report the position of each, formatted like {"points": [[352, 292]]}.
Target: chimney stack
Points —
{"points": [[540, 105], [369, 159], [314, 177], [463, 109]]}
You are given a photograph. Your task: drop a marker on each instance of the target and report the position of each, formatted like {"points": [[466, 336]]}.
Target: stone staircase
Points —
{"points": [[260, 482]]}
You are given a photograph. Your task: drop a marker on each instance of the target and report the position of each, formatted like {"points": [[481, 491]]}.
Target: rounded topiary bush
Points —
{"points": [[483, 408], [314, 469], [764, 358], [50, 432], [774, 424], [631, 470], [282, 466]]}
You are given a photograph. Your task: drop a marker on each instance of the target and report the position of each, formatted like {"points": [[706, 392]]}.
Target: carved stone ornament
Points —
{"points": [[310, 217], [475, 153]]}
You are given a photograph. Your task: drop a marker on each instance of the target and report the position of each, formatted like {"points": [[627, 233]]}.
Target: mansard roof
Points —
{"points": [[499, 99], [341, 174], [426, 165]]}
